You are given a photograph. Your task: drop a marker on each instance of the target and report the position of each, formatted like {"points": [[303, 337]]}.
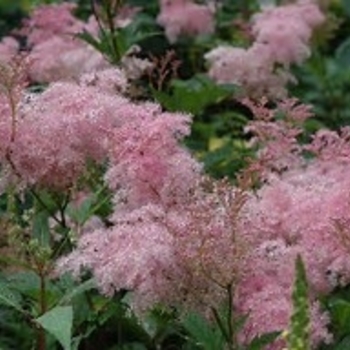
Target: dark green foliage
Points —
{"points": [[338, 306]]}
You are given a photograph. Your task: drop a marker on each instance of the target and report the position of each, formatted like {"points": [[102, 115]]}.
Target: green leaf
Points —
{"points": [[343, 345], [204, 334], [141, 28], [346, 6], [82, 213], [58, 322], [193, 95], [260, 343], [90, 206], [25, 282], [340, 312], [342, 54], [91, 40], [82, 288], [114, 44], [9, 297]]}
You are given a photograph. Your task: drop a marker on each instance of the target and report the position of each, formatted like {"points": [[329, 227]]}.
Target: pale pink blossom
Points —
{"points": [[181, 241], [52, 135], [275, 138], [251, 69], [47, 21], [281, 38], [287, 30], [185, 17], [133, 66], [54, 48], [64, 58], [9, 48], [125, 15]]}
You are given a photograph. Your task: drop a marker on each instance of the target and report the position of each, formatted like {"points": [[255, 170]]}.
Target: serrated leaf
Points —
{"points": [[58, 322]]}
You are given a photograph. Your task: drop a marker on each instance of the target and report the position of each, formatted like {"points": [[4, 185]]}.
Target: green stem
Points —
{"points": [[41, 338], [233, 343], [113, 30], [43, 204], [227, 330], [220, 324]]}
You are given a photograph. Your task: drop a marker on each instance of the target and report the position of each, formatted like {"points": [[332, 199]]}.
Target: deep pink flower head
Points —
{"points": [[184, 17]]}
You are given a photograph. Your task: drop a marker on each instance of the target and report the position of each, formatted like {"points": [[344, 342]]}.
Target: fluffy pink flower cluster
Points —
{"points": [[175, 238], [304, 211], [300, 209], [48, 21], [276, 139], [287, 30], [185, 17], [282, 36], [54, 50], [151, 174], [64, 58], [47, 138], [181, 241]]}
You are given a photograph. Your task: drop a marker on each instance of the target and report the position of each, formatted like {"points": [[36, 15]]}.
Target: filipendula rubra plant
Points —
{"points": [[50, 138], [173, 238], [201, 243]]}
